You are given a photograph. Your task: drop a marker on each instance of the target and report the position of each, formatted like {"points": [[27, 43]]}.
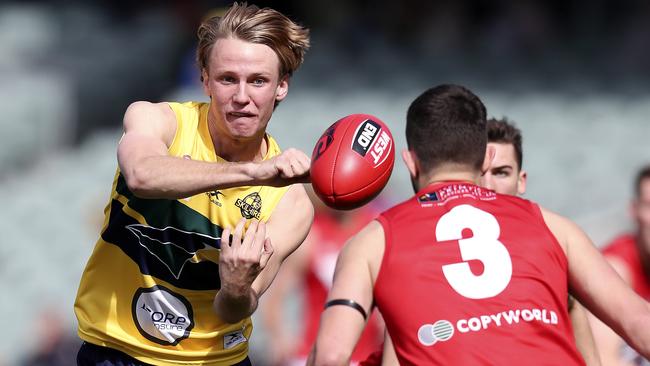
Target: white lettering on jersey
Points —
{"points": [[484, 246]]}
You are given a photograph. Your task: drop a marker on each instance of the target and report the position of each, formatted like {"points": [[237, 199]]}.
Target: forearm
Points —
{"points": [[638, 335], [233, 307], [173, 178]]}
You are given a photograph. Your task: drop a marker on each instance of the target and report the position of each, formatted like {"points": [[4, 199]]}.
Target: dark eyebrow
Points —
{"points": [[503, 167], [261, 75]]}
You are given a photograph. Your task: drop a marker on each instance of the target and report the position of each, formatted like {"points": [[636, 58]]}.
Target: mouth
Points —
{"points": [[241, 114]]}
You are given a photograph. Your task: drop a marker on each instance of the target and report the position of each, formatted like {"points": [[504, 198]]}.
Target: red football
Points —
{"points": [[352, 161]]}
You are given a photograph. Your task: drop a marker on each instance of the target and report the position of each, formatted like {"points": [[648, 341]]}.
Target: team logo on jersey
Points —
{"points": [[324, 142], [162, 316], [170, 246], [214, 197], [428, 199], [250, 206], [370, 137]]}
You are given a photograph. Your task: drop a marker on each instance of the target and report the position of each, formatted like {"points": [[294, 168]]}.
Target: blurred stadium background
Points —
{"points": [[573, 75]]}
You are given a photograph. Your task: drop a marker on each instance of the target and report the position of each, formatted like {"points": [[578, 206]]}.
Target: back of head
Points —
{"points": [[446, 125], [503, 131], [264, 26]]}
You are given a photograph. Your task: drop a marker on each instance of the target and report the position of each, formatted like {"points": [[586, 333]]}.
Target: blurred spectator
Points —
{"points": [[629, 254], [57, 343], [309, 270]]}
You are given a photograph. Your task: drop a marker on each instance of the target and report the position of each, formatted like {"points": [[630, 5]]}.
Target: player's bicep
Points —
{"points": [[341, 325], [148, 131], [352, 278]]}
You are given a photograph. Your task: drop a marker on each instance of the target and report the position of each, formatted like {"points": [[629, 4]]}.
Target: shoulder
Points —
{"points": [[406, 205], [148, 118], [369, 243], [370, 234], [566, 232], [561, 227], [148, 109], [294, 212], [299, 200]]}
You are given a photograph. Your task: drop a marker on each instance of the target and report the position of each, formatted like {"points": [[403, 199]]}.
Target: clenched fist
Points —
{"points": [[291, 166]]}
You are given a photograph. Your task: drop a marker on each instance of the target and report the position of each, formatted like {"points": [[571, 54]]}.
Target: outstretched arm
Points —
{"points": [[150, 172], [599, 288], [354, 277]]}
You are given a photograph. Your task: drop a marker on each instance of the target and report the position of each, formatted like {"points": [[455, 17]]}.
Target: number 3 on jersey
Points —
{"points": [[484, 246]]}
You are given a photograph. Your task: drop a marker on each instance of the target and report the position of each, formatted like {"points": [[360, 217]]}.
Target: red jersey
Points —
{"points": [[624, 248], [471, 277], [328, 235]]}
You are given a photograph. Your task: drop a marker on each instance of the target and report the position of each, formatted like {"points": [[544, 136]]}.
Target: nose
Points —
{"points": [[241, 94]]}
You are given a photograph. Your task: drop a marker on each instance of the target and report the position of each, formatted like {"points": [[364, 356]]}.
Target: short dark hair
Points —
{"points": [[503, 131], [447, 124], [644, 173]]}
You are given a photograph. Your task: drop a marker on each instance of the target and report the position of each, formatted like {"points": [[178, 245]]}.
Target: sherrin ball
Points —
{"points": [[352, 161]]}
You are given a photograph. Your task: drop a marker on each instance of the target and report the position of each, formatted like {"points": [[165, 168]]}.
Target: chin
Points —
{"points": [[243, 129], [247, 134]]}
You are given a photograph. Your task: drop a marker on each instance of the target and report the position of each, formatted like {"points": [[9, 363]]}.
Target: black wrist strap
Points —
{"points": [[349, 303]]}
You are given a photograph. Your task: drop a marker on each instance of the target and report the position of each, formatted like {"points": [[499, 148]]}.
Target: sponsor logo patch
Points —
{"points": [[161, 315], [214, 197], [444, 330], [230, 340]]}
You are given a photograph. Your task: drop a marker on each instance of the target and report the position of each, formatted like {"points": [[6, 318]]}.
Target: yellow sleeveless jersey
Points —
{"points": [[148, 287]]}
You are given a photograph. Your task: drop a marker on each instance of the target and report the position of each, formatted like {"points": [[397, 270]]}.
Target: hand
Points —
{"points": [[242, 259], [291, 166]]}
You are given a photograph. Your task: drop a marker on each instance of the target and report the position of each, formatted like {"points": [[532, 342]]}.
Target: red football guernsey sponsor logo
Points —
{"points": [[372, 142]]}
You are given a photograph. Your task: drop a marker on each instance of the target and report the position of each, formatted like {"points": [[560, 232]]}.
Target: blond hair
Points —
{"points": [[264, 26]]}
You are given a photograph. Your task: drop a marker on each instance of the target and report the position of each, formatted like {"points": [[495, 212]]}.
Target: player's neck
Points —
{"points": [[446, 176]]}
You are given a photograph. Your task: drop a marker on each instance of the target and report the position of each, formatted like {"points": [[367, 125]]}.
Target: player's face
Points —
{"points": [[243, 82], [641, 212], [503, 176]]}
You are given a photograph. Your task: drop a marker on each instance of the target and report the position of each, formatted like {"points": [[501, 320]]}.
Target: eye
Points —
{"points": [[226, 79], [501, 173], [259, 81]]}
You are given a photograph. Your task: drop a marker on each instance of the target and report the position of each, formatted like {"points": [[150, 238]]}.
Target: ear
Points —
{"points": [[411, 162], [521, 182], [490, 152], [282, 89], [204, 76]]}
